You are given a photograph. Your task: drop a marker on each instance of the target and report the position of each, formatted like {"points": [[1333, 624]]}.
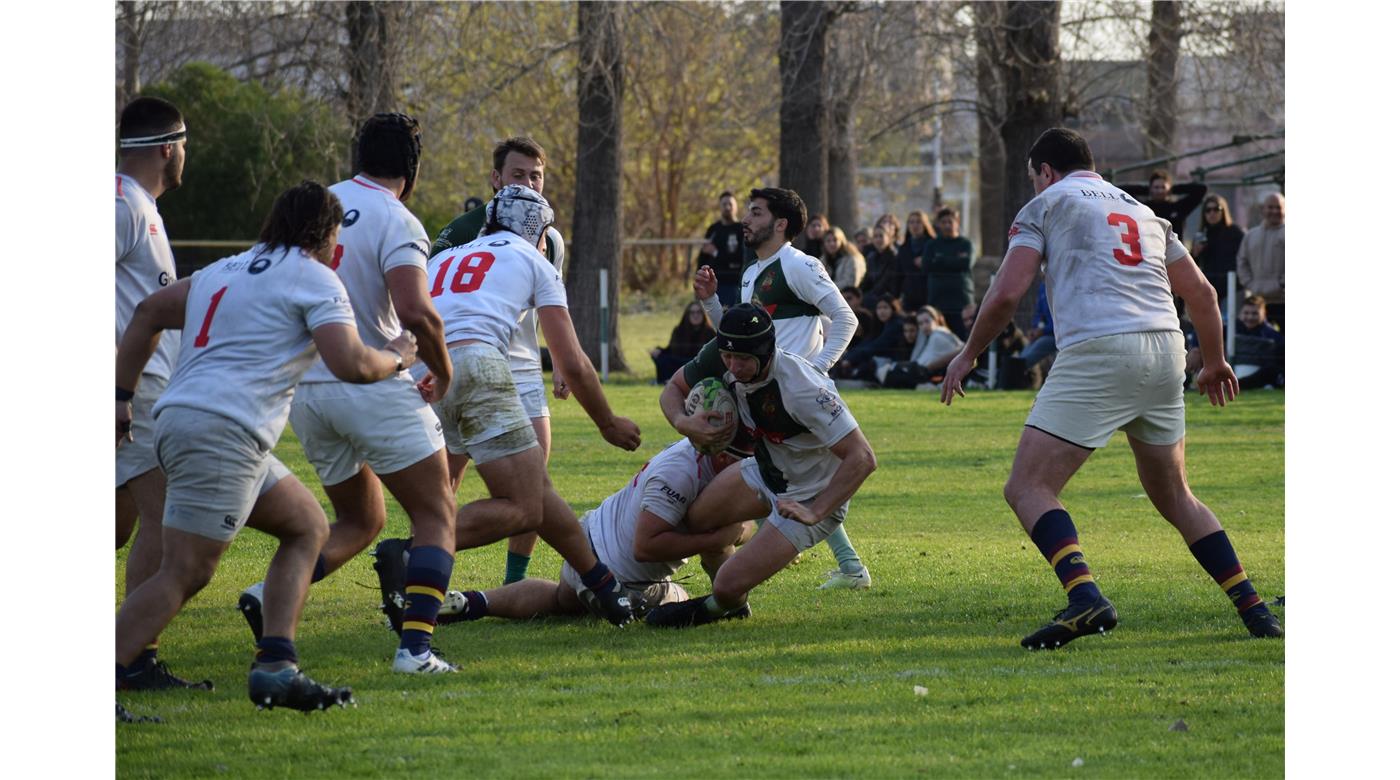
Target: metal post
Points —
{"points": [[992, 350], [1230, 316], [603, 322]]}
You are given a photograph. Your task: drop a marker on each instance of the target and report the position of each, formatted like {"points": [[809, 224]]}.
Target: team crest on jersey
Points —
{"points": [[817, 268], [830, 404], [351, 217], [154, 231], [1013, 231]]}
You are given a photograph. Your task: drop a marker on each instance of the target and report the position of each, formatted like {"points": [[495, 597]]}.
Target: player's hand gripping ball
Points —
{"points": [[710, 395]]}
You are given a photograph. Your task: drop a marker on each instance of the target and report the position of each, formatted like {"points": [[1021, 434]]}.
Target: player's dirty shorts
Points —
{"points": [[532, 395], [801, 535], [481, 415], [651, 594], [1129, 381], [342, 426], [138, 456], [215, 470]]}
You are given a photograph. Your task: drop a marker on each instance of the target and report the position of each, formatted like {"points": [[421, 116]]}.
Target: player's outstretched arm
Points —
{"points": [[160, 311], [1013, 279], [704, 429], [857, 464], [351, 361], [408, 289], [657, 540], [582, 380], [1215, 379], [706, 287]]}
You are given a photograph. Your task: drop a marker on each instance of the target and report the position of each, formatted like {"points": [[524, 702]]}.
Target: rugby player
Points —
{"points": [[1111, 268]]}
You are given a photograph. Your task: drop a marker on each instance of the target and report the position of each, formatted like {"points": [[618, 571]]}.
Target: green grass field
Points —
{"points": [[815, 684]]}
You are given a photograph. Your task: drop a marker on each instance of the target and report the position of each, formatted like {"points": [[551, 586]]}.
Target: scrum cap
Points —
{"points": [[520, 210], [748, 330], [389, 145]]}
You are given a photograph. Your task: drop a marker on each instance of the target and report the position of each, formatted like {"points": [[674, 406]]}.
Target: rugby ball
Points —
{"points": [[710, 394]]}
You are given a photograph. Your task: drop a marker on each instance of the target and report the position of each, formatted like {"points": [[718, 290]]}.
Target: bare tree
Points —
{"points": [[372, 52], [991, 155], [1159, 104], [1031, 74], [597, 228], [804, 128]]}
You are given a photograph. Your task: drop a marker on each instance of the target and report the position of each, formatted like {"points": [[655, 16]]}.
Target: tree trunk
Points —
{"points": [[991, 100], [1031, 71], [804, 126], [597, 228], [843, 197], [372, 57], [1163, 52], [129, 26]]}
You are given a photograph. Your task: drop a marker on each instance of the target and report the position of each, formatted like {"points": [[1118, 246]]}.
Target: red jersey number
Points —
{"points": [[1129, 237], [203, 338], [339, 253], [471, 273]]}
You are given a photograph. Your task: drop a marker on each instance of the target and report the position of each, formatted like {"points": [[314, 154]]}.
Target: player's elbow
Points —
{"points": [[643, 552]]}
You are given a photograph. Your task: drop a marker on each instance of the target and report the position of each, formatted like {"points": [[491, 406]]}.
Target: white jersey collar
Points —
{"points": [[136, 184], [363, 182]]}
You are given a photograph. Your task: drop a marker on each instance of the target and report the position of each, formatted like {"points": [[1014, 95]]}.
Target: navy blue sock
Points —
{"points": [[599, 579], [1217, 556], [319, 573], [272, 649], [1058, 540], [121, 672], [429, 572], [148, 655]]}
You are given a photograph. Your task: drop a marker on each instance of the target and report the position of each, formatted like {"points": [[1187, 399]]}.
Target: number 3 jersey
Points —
{"points": [[247, 336], [481, 288], [1106, 258]]}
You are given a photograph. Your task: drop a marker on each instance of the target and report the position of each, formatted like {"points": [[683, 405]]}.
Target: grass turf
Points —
{"points": [[816, 683]]}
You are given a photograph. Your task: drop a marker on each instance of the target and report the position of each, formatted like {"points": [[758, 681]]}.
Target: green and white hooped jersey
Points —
{"points": [[796, 416], [789, 285]]}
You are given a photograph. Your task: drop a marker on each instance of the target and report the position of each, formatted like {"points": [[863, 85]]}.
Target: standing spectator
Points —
{"points": [[1217, 244], [865, 319], [846, 263], [861, 239], [881, 266], [913, 281], [724, 252], [1042, 333], [891, 223], [1171, 204], [1261, 258], [948, 261], [813, 239], [689, 335]]}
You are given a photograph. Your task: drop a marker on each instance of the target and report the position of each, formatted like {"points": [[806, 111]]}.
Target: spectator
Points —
{"points": [[1042, 332], [1217, 244], [865, 318], [1261, 258], [913, 279], [724, 250], [934, 346], [948, 261], [846, 263], [891, 223], [881, 265], [1173, 205], [888, 319], [861, 240], [1258, 352], [1012, 373], [813, 238], [689, 335], [472, 203]]}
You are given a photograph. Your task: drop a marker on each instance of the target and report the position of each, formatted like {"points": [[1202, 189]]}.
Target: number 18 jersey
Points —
{"points": [[1106, 258], [481, 288]]}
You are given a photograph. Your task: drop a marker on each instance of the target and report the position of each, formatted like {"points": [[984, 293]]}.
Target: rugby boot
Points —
{"points": [[290, 687], [250, 604], [391, 564], [126, 716], [156, 676], [840, 580], [692, 612], [1261, 622], [1074, 621], [429, 662], [616, 605]]}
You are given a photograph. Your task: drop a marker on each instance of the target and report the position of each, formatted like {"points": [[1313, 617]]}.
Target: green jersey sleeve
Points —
{"points": [[707, 363], [462, 230]]}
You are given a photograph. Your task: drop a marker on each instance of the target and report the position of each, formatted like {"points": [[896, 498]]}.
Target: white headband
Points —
{"points": [[153, 140]]}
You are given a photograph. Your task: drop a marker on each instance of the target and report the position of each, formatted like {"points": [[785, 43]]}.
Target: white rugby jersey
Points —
{"points": [[666, 486], [377, 235], [524, 350], [481, 288], [144, 265], [1106, 258], [247, 337]]}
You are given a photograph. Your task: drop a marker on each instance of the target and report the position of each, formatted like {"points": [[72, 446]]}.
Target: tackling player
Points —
{"points": [[151, 149], [1111, 268], [252, 324], [639, 532], [516, 160], [795, 290], [810, 458], [381, 259]]}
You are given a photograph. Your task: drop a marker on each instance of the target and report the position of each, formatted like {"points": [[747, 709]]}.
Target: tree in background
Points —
{"points": [[804, 124], [1159, 104]]}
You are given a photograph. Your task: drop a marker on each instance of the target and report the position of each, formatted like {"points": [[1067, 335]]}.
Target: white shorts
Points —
{"points": [[138, 456], [801, 535], [1130, 382], [342, 426], [215, 470], [532, 396], [482, 416]]}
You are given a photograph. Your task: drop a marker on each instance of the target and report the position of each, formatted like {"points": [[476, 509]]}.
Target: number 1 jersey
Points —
{"points": [[481, 288], [1106, 258]]}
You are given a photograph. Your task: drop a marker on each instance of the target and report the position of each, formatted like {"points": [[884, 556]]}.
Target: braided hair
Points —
{"points": [[389, 145]]}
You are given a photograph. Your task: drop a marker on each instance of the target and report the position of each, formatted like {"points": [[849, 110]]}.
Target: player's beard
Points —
{"points": [[173, 173], [759, 237]]}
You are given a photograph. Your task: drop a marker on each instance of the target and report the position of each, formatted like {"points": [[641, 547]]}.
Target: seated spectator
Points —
{"points": [[1258, 353], [1216, 245], [847, 265], [1042, 333], [861, 240], [934, 347], [1012, 373], [913, 276], [889, 319], [865, 318], [689, 335], [881, 266]]}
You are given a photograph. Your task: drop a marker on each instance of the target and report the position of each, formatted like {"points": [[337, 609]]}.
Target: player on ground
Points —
{"points": [[797, 293], [810, 458], [252, 324], [480, 289], [516, 160], [1111, 269], [382, 259], [151, 149], [639, 532]]}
